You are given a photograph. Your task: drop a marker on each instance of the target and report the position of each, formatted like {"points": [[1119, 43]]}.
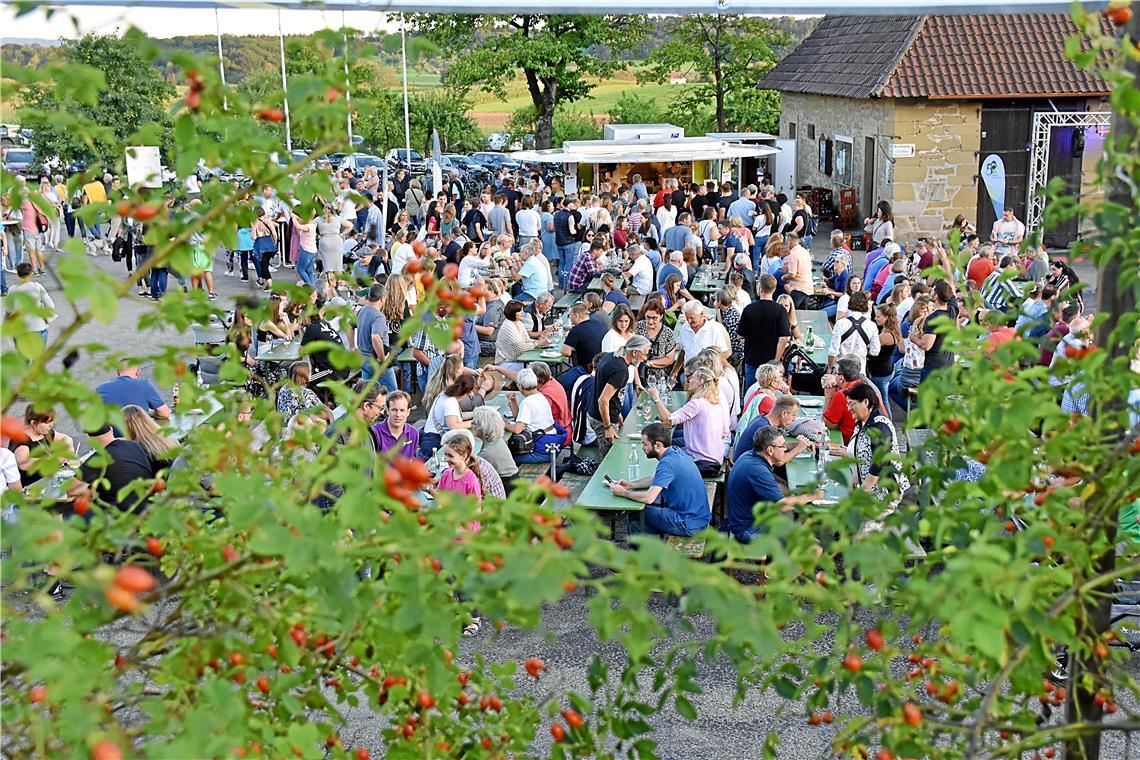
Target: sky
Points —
{"points": [[167, 22]]}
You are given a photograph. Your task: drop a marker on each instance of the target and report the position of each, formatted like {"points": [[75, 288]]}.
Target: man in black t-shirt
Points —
{"points": [[584, 341], [945, 312], [108, 472], [765, 329], [726, 199], [611, 378], [699, 201]]}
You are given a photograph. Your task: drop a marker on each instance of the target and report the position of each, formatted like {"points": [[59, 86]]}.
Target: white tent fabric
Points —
{"points": [[633, 151]]}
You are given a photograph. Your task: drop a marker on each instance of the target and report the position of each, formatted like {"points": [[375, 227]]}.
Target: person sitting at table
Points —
{"points": [[673, 296], [141, 428], [698, 332], [741, 289], [783, 414], [539, 316], [513, 338], [489, 480], [662, 345], [277, 326], [586, 266], [611, 376], [462, 474], [835, 286], [42, 437], [769, 383], [677, 503], [599, 310], [704, 418], [295, 395], [129, 388], [785, 300], [445, 414], [843, 304], [583, 342], [640, 272], [487, 324], [728, 316], [451, 369], [855, 335], [874, 446], [610, 292], [555, 394], [836, 415], [621, 329], [488, 426], [729, 381], [117, 463], [752, 481], [393, 432], [534, 414]]}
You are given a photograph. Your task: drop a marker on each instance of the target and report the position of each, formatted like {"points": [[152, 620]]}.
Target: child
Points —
{"points": [[462, 474]]}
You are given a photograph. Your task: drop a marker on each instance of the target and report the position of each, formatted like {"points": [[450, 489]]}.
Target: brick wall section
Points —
{"points": [[940, 181], [832, 116]]}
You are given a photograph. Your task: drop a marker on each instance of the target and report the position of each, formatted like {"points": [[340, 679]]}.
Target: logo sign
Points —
{"points": [[993, 176], [902, 150]]}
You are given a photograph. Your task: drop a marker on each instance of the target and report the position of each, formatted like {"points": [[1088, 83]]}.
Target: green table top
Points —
{"points": [[817, 321], [285, 352], [538, 355], [568, 300], [597, 494], [633, 424], [595, 285]]}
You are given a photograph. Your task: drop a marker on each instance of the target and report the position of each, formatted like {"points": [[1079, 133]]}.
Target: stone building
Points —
{"points": [[905, 109]]}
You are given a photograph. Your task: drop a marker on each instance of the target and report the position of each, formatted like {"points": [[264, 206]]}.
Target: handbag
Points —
{"points": [[520, 444], [264, 245]]}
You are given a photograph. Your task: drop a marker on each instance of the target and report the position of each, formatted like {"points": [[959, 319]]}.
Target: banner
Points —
{"points": [[993, 175], [144, 166], [436, 169]]}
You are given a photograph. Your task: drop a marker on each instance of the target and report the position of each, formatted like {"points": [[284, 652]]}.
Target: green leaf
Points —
{"points": [[685, 708]]}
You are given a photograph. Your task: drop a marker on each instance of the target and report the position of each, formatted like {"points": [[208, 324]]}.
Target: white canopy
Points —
{"points": [[637, 151]]}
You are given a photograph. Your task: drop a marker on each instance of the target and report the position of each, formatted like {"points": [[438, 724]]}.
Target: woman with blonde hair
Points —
{"points": [[761, 396], [729, 380], [774, 252], [914, 357], [141, 428], [706, 424], [463, 475], [785, 300]]}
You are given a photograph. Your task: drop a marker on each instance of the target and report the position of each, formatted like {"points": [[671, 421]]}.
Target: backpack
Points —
{"points": [[581, 401], [812, 225]]}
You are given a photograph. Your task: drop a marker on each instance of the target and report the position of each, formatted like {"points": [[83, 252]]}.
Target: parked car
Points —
{"points": [[495, 161], [498, 140], [358, 162], [410, 160], [19, 160], [469, 168]]}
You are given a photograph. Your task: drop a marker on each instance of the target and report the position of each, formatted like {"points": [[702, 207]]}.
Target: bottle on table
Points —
{"points": [[809, 341], [634, 465]]}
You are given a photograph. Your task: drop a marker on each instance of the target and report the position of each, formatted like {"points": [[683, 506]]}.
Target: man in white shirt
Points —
{"points": [[640, 271], [534, 274], [1007, 233], [855, 335], [404, 253], [697, 332], [528, 221]]}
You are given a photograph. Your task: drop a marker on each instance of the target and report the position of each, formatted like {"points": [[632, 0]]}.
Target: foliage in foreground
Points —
{"points": [[276, 617]]}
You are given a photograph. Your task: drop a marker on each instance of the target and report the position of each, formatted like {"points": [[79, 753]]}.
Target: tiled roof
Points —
{"points": [[938, 57], [845, 56]]}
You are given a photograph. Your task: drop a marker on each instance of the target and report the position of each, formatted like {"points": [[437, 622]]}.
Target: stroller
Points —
{"points": [[806, 374]]}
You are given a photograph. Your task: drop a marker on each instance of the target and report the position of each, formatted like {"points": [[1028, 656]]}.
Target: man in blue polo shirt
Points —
{"points": [[782, 414], [752, 481], [128, 388], [677, 503]]}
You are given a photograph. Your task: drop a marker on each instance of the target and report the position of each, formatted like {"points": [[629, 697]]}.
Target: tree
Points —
{"points": [[556, 55], [728, 54], [566, 125], [632, 108], [108, 81]]}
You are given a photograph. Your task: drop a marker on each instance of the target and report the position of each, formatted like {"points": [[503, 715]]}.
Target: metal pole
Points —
{"points": [[284, 87], [221, 63], [407, 128], [384, 207], [347, 82]]}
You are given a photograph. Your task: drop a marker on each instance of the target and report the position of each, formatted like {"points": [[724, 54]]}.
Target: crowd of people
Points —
{"points": [[624, 260]]}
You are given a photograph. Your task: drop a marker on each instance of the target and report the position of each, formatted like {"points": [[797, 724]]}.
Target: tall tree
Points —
{"points": [[727, 53], [111, 81], [555, 54]]}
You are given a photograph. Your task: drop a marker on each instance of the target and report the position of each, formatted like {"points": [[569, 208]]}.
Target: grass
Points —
{"points": [[601, 99]]}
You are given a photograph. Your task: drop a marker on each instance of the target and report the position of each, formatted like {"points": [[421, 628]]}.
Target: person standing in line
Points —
{"points": [[307, 250], [39, 299], [331, 230]]}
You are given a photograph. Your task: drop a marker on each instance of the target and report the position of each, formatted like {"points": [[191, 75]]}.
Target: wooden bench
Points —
{"points": [[689, 546]]}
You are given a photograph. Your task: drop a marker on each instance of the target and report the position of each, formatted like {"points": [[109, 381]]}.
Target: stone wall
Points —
{"points": [[827, 117], [940, 180]]}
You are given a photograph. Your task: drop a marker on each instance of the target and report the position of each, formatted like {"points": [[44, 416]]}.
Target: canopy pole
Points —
{"points": [[404, 64], [284, 86], [347, 81], [221, 62]]}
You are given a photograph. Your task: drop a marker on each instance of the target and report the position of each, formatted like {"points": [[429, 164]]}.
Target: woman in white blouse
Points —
{"points": [[881, 225], [622, 324], [513, 339]]}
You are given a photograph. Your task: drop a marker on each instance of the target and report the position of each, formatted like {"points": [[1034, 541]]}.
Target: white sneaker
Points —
{"points": [[228, 273], [272, 268]]}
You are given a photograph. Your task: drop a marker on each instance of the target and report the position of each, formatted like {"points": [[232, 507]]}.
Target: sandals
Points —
{"points": [[473, 628]]}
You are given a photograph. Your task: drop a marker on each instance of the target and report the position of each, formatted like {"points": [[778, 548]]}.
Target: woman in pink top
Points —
{"points": [[307, 250], [705, 420], [797, 271], [462, 474], [32, 227]]}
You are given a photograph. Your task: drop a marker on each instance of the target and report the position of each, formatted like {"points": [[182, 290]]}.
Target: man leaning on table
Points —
{"points": [[611, 375], [753, 480], [675, 497]]}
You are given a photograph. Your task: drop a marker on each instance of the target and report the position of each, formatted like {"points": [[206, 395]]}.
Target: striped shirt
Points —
{"points": [[997, 292]]}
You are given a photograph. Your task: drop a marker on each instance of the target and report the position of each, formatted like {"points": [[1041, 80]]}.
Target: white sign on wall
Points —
{"points": [[144, 166], [902, 150]]}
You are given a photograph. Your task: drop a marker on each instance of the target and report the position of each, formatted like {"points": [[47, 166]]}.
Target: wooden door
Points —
{"points": [[1006, 130]]}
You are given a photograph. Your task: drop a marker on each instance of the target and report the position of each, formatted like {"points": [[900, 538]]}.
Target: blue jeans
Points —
{"points": [[307, 266], [883, 384], [897, 392], [387, 380], [758, 252], [749, 375], [662, 521], [566, 256], [158, 282], [830, 308]]}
